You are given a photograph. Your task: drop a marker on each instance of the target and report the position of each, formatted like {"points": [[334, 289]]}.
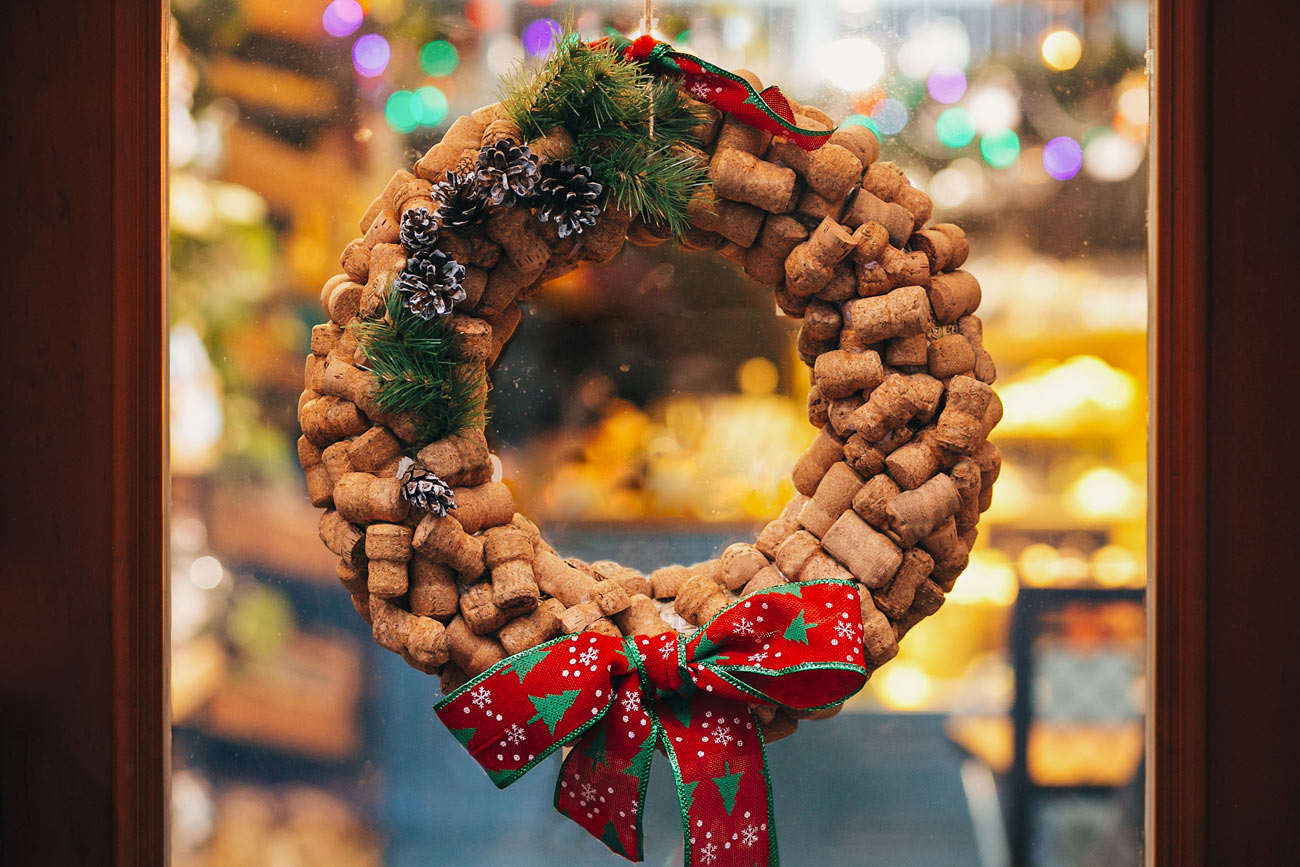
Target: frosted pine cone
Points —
{"points": [[568, 195], [419, 230], [461, 203], [507, 172], [423, 490], [433, 284]]}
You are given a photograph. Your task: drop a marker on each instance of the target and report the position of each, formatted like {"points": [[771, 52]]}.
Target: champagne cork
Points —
{"points": [[864, 206], [385, 228], [700, 599], [641, 617], [666, 581], [460, 459], [776, 532], [473, 654], [950, 356], [814, 208], [342, 538], [795, 552], [488, 505], [736, 221], [839, 373], [572, 587], [320, 485], [834, 494], [465, 132], [965, 475], [810, 265], [364, 499], [989, 459], [961, 424], [896, 598], [885, 180], [879, 642], [917, 513], [355, 261], [606, 238], [324, 337], [326, 419], [818, 408], [917, 203], [444, 541], [873, 241], [890, 406], [873, 499], [944, 245], [954, 295], [905, 269], [833, 171], [825, 450], [740, 562], [580, 617], [765, 261], [532, 629], [927, 600], [386, 263], [432, 588], [858, 140], [508, 553], [868, 458], [743, 177], [912, 464], [901, 313], [481, 614], [353, 578], [910, 351], [388, 547], [949, 552], [374, 450], [869, 555], [972, 329], [384, 200], [632, 581], [768, 576], [425, 640]]}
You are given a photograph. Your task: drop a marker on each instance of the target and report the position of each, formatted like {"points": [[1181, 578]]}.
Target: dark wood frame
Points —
{"points": [[83, 722], [84, 734]]}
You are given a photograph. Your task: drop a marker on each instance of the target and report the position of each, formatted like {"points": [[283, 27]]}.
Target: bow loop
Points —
{"points": [[797, 646]]}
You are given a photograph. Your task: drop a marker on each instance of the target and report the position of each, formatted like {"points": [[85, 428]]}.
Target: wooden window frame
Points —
{"points": [[84, 743]]}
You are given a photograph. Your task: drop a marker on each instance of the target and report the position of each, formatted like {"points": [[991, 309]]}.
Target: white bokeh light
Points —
{"points": [[854, 63]]}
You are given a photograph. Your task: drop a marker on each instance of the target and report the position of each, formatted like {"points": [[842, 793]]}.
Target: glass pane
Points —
{"points": [[649, 410]]}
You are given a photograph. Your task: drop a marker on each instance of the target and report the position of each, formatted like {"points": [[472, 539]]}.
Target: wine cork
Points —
{"points": [[902, 312], [825, 450], [700, 599], [444, 541], [743, 177], [868, 458], [776, 532], [961, 424], [879, 642], [839, 373], [461, 459], [532, 629], [473, 654], [810, 265], [481, 614], [917, 513], [432, 588], [740, 562], [954, 295], [873, 498], [363, 499], [834, 494], [896, 598], [342, 538]]}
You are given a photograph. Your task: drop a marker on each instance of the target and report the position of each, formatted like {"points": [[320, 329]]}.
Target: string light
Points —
{"points": [[1062, 49]]}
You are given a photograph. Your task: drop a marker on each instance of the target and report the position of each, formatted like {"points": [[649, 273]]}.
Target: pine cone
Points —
{"points": [[461, 203], [507, 172], [433, 283], [423, 490], [419, 230], [568, 195]]}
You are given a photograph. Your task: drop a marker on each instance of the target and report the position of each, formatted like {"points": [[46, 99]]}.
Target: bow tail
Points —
{"points": [[603, 780], [720, 766]]}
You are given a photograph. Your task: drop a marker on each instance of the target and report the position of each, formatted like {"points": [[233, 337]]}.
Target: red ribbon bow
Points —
{"points": [[795, 646]]}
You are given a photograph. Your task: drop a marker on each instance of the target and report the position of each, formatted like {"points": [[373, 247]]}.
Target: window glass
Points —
{"points": [[649, 411]]}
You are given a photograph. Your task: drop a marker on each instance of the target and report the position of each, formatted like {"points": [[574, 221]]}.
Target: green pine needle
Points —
{"points": [[414, 360], [605, 103]]}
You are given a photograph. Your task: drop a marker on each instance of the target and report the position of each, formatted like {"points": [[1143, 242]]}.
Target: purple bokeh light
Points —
{"points": [[370, 55], [342, 17], [540, 36], [947, 84], [1062, 157]]}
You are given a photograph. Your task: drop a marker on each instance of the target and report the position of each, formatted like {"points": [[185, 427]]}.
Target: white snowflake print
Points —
{"points": [[749, 835], [722, 736], [700, 89], [482, 697], [515, 735], [709, 853], [744, 627], [631, 702], [669, 650], [844, 629], [588, 792], [588, 656], [756, 658]]}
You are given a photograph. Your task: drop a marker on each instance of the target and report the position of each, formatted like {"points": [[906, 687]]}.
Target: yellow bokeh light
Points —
{"points": [[758, 377], [1062, 49], [1104, 493], [903, 687], [989, 579]]}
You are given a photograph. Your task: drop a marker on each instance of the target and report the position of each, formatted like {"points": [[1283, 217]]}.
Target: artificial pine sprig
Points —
{"points": [[414, 362], [605, 103]]}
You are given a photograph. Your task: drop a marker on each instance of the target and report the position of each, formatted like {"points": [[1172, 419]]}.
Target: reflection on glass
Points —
{"points": [[1008, 730]]}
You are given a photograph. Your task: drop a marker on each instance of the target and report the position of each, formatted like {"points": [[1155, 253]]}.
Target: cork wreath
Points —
{"points": [[431, 548]]}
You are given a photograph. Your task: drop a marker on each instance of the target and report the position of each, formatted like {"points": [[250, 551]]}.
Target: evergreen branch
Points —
{"points": [[652, 182], [414, 361]]}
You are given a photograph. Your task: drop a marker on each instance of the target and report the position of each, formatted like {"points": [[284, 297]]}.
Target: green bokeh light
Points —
{"points": [[955, 128], [432, 104], [404, 111], [439, 57], [863, 120], [1000, 148]]}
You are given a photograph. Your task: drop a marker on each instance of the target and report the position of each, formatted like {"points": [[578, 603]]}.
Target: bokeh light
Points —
{"points": [[439, 57], [1108, 156], [432, 105], [931, 43], [503, 52], [866, 101], [954, 186], [890, 116], [994, 107], [947, 84], [342, 17], [540, 36], [403, 111], [370, 55], [484, 14], [955, 128], [862, 120], [1062, 49], [1062, 157], [853, 64], [1000, 148]]}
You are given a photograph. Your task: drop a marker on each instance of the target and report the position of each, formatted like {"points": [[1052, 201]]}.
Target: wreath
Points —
{"points": [[631, 141]]}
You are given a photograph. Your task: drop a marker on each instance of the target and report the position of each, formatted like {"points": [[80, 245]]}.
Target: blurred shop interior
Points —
{"points": [[650, 411]]}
